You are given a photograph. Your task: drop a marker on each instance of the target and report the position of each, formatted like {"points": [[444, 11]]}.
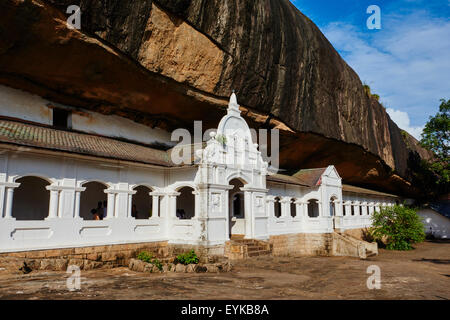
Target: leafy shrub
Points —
{"points": [[367, 235], [399, 226], [157, 263], [187, 258], [145, 256], [148, 257]]}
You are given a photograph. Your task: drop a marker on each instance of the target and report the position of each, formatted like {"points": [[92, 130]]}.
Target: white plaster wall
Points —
{"points": [[118, 127], [23, 105], [440, 225]]}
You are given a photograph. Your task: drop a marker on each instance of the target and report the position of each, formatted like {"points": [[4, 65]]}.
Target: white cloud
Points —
{"points": [[406, 63], [402, 120]]}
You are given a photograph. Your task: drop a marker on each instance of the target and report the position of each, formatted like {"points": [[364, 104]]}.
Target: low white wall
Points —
{"points": [[66, 233], [68, 201]]}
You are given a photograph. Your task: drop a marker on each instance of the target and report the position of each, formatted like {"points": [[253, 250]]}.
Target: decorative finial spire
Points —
{"points": [[233, 102]]}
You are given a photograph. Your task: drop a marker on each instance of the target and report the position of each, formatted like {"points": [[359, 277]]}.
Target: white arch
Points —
{"points": [[107, 185], [238, 176], [137, 185], [34, 175], [176, 187]]}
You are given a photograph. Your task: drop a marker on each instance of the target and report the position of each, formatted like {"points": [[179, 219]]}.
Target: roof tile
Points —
{"points": [[49, 138]]}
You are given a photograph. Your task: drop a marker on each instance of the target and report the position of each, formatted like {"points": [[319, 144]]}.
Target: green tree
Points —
{"points": [[398, 226], [435, 137]]}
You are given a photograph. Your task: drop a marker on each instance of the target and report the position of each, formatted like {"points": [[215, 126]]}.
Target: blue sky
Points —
{"points": [[407, 62]]}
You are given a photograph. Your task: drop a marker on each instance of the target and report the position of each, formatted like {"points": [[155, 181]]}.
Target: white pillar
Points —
{"points": [[321, 213], [285, 207], [9, 203], [77, 204], [130, 205], [249, 219], [357, 206], [270, 200], [337, 208], [348, 208], [371, 207], [111, 205], [171, 209], [155, 206], [305, 209], [54, 201]]}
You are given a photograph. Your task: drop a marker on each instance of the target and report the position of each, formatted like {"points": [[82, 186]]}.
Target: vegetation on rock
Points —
{"points": [[369, 93]]}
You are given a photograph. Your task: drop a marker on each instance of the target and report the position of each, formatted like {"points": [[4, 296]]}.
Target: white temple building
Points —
{"points": [[57, 163]]}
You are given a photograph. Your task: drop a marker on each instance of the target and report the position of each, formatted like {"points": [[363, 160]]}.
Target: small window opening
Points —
{"points": [[61, 118]]}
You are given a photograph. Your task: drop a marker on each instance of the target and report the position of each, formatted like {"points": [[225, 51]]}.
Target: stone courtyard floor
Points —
{"points": [[420, 274]]}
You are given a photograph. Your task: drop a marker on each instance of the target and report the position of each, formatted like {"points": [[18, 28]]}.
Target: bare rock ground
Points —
{"points": [[420, 274]]}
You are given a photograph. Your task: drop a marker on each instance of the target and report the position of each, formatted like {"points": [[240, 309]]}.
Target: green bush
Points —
{"points": [[157, 263], [145, 256], [148, 257], [187, 258], [399, 226]]}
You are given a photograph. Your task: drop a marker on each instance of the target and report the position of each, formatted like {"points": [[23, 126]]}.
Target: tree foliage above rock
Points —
{"points": [[435, 137]]}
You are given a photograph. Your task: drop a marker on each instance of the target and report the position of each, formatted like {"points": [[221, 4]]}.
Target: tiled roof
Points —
{"points": [[353, 189], [189, 148], [285, 179], [310, 177], [307, 178], [53, 139]]}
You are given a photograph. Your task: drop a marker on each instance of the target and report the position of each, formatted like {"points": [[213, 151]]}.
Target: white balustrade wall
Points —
{"points": [[325, 195], [67, 178]]}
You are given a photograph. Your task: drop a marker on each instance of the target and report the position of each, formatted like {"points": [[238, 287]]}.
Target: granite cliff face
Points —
{"points": [[169, 62]]}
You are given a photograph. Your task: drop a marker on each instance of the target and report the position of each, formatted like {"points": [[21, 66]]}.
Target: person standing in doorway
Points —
{"points": [[95, 215], [100, 210]]}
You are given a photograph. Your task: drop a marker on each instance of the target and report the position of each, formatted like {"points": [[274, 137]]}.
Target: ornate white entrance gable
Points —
{"points": [[231, 154], [232, 149]]}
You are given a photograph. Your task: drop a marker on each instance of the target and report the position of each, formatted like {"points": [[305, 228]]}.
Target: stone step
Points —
{"points": [[259, 253], [246, 241], [256, 248], [370, 254]]}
